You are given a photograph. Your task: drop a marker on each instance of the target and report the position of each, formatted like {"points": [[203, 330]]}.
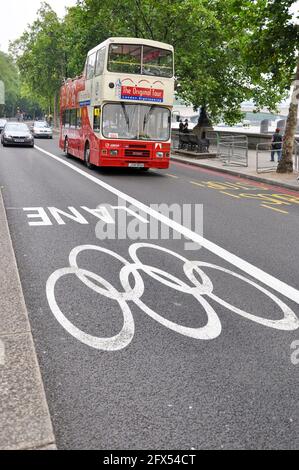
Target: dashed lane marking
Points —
{"points": [[274, 209], [172, 176], [232, 195], [197, 184]]}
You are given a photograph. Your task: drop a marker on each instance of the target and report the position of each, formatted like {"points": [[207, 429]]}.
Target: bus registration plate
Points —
{"points": [[136, 165]]}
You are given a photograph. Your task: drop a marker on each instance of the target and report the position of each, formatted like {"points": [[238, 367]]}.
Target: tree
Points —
{"points": [[9, 75], [220, 46], [208, 68], [286, 163], [270, 48], [41, 58]]}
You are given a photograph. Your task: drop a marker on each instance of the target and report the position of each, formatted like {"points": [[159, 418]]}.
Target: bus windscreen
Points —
{"points": [[136, 122]]}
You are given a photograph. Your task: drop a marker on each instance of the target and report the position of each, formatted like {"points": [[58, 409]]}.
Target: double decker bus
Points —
{"points": [[118, 113]]}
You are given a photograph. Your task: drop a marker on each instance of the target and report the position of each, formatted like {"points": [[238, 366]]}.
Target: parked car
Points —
{"points": [[2, 124], [16, 133], [42, 129]]}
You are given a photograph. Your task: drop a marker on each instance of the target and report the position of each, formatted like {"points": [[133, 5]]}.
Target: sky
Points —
{"points": [[16, 14]]}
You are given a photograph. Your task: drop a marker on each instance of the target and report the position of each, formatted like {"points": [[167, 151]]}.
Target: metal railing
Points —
{"points": [[233, 150], [264, 157], [213, 138]]}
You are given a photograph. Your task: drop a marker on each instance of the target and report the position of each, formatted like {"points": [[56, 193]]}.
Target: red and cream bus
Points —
{"points": [[118, 114]]}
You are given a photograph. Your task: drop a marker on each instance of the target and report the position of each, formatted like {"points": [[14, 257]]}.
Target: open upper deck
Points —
{"points": [[131, 56], [125, 69]]}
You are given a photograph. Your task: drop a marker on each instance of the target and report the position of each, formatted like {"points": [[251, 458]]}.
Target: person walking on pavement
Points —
{"points": [[276, 145]]}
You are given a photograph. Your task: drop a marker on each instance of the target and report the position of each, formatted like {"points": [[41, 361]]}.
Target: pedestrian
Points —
{"points": [[181, 126], [185, 126], [276, 145]]}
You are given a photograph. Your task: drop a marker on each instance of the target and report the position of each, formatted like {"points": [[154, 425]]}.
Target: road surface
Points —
{"points": [[138, 347]]}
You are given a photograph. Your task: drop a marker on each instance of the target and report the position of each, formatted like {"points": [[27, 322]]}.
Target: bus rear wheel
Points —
{"points": [[87, 156]]}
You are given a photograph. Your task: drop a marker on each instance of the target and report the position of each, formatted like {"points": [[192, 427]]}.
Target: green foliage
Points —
{"points": [[226, 51], [40, 56], [269, 45], [209, 71], [9, 75]]}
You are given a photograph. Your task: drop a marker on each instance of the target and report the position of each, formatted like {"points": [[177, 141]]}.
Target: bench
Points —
{"points": [[193, 143]]}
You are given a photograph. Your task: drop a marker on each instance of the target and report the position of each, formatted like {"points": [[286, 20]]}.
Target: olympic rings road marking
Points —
{"points": [[201, 290]]}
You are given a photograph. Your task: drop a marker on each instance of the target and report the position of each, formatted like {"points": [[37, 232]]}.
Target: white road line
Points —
{"points": [[257, 273], [274, 209]]}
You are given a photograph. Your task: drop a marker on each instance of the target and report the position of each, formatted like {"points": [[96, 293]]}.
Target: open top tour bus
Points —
{"points": [[118, 113]]}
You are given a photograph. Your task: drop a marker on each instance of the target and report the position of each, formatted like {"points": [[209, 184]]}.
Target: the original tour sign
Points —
{"points": [[144, 94], [2, 93]]}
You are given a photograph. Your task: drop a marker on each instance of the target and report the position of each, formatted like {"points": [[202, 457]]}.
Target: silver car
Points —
{"points": [[42, 129], [16, 133]]}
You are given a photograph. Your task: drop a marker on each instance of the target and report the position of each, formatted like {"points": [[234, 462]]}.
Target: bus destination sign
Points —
{"points": [[142, 94]]}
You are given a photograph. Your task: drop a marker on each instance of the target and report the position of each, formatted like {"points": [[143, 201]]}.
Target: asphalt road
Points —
{"points": [[200, 356]]}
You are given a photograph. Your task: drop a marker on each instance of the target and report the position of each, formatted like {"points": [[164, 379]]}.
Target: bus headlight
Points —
{"points": [[160, 154], [113, 153]]}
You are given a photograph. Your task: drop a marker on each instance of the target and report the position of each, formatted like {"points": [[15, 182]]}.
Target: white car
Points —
{"points": [[42, 129]]}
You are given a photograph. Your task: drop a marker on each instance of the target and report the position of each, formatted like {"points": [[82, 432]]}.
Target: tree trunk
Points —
{"points": [[204, 124], [55, 111], [286, 163]]}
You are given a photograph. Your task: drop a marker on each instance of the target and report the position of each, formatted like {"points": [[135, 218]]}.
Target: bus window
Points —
{"points": [[67, 118], [73, 118], [124, 58], [136, 122], [100, 61], [91, 65], [79, 118], [157, 62], [97, 119]]}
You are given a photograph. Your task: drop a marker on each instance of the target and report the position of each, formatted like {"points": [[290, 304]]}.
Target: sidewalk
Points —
{"points": [[24, 416], [288, 181]]}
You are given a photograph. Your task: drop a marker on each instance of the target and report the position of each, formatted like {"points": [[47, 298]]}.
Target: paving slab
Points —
{"points": [[24, 416], [25, 420], [13, 317]]}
